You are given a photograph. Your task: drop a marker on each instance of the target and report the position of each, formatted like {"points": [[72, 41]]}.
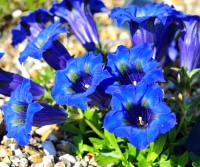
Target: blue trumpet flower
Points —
{"points": [[21, 112], [30, 26], [42, 42], [78, 14], [10, 81], [154, 23], [130, 66], [189, 43], [79, 83], [138, 114]]}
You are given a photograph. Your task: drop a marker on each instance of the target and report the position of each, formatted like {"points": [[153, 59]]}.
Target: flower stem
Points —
{"points": [[93, 127]]}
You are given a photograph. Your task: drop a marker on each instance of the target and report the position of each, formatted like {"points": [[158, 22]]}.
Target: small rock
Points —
{"points": [[60, 164], [67, 147], [49, 148], [68, 158], [6, 141], [5, 152], [30, 150], [37, 165], [52, 137], [13, 146], [2, 164], [48, 161], [23, 162], [37, 158], [83, 163], [18, 152], [77, 164], [86, 158], [6, 160], [15, 160]]}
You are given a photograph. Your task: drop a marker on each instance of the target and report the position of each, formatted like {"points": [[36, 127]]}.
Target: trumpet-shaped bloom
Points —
{"points": [[42, 42], [138, 114], [30, 26], [10, 81], [57, 56], [77, 14], [130, 66], [189, 43], [21, 112], [154, 23], [77, 84]]}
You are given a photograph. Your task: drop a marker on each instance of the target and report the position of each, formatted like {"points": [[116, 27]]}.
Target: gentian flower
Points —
{"points": [[56, 56], [42, 42], [30, 26], [130, 66], [138, 114], [189, 43], [10, 81], [78, 14], [77, 84], [21, 112], [154, 23]]}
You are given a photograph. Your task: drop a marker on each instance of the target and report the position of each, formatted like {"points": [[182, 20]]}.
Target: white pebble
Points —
{"points": [[18, 152], [68, 158], [17, 13], [3, 164], [23, 162]]}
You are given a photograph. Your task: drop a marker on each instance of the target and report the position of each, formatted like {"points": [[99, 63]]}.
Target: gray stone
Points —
{"points": [[49, 148]]}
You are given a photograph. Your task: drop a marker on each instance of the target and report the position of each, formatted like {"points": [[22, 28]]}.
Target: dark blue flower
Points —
{"points": [[21, 112], [10, 81], [189, 43], [42, 42], [130, 66], [30, 26], [138, 114], [153, 23], [77, 84], [57, 56], [78, 15]]}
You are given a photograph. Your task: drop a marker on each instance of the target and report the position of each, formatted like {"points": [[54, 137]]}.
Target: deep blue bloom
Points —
{"points": [[138, 114], [21, 112], [189, 43], [130, 66], [77, 84], [10, 81], [154, 23], [42, 42], [30, 26], [57, 56], [78, 14]]}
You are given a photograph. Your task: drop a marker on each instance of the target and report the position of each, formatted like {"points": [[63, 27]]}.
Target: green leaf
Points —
{"points": [[183, 159], [156, 148], [71, 128], [165, 163], [143, 163], [132, 150], [105, 160], [97, 142], [112, 141]]}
